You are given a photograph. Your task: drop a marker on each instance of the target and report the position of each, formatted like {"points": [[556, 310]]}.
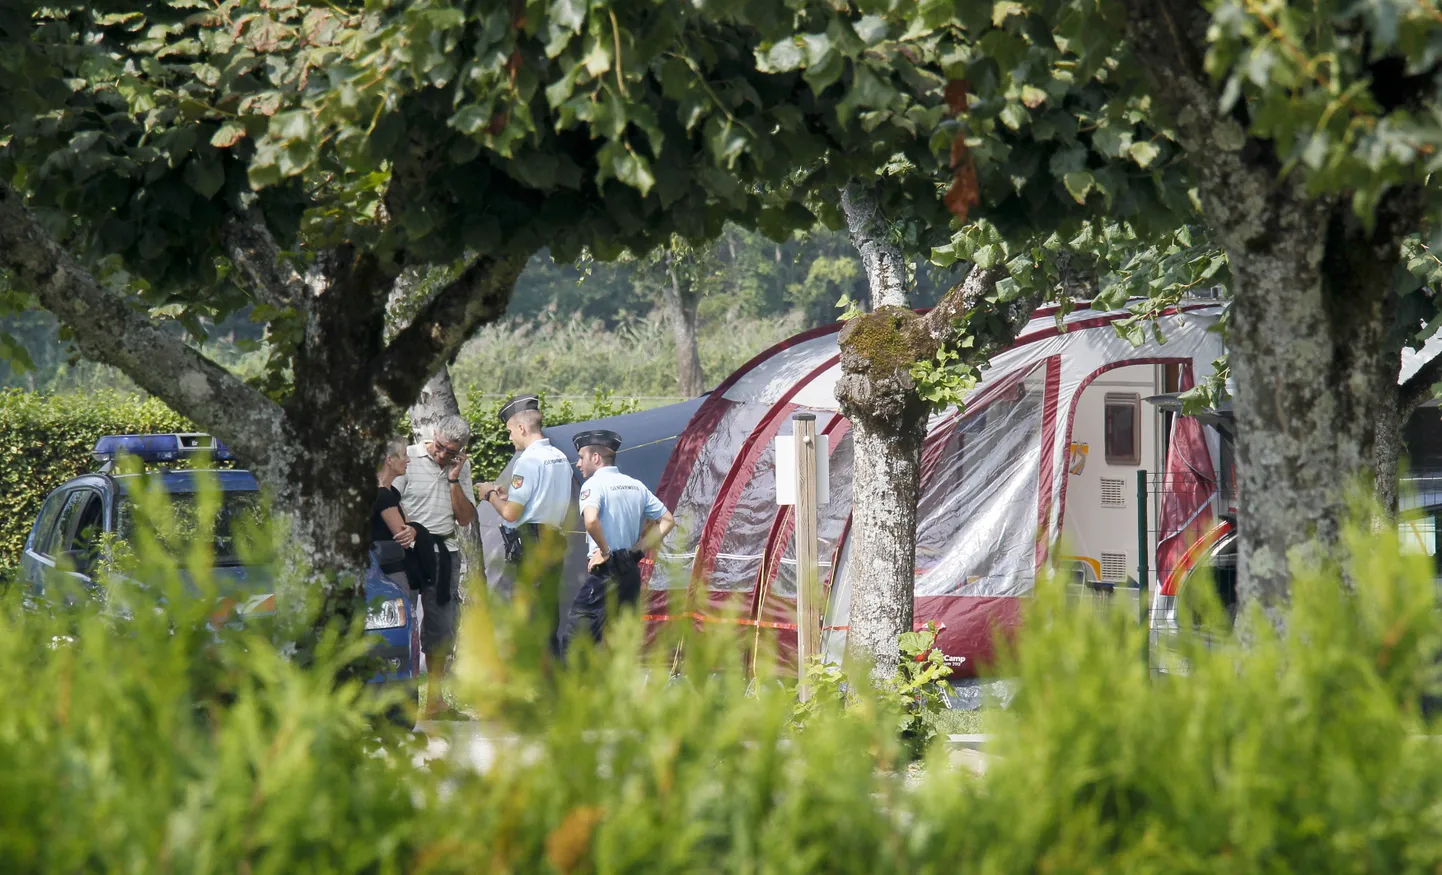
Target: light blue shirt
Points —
{"points": [[624, 504], [541, 485]]}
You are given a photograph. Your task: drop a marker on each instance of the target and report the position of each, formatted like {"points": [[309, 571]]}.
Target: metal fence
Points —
{"points": [[1197, 509]]}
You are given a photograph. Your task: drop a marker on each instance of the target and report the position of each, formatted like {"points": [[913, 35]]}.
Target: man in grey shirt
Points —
{"points": [[437, 495]]}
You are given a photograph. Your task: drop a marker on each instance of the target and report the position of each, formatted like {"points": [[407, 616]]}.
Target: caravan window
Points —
{"points": [[1123, 428]]}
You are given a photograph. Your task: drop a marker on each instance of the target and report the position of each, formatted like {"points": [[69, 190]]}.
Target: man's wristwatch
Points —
{"points": [[487, 496], [454, 479]]}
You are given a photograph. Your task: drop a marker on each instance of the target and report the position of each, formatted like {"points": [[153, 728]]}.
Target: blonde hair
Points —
{"points": [[395, 446]]}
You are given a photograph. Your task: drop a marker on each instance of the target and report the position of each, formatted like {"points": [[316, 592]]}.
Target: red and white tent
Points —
{"points": [[994, 480]]}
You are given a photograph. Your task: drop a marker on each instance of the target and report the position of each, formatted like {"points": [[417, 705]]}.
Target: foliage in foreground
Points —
{"points": [[1307, 753], [150, 744]]}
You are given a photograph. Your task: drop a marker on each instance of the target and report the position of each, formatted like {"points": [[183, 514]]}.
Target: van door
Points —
{"points": [[72, 547]]}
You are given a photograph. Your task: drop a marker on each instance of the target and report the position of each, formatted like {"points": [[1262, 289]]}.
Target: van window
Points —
{"points": [[42, 537], [58, 541], [1123, 428]]}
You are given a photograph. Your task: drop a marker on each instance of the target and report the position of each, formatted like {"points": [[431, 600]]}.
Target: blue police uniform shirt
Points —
{"points": [[541, 485], [623, 503]]}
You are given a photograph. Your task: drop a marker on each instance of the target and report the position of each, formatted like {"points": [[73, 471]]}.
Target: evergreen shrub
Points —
{"points": [[145, 740]]}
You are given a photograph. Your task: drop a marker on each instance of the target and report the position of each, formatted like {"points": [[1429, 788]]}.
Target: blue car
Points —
{"points": [[64, 543]]}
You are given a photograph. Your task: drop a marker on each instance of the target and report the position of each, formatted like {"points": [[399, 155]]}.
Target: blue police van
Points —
{"points": [[65, 543]]}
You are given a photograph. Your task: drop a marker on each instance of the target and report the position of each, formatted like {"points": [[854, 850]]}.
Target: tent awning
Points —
{"points": [[647, 437]]}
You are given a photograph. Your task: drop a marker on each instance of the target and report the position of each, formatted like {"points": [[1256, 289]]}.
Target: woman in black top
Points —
{"points": [[388, 521]]}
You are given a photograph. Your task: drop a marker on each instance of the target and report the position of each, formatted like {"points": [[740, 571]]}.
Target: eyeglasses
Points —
{"points": [[443, 450]]}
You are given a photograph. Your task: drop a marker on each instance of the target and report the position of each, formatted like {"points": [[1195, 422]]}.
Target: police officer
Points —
{"points": [[615, 509], [539, 493]]}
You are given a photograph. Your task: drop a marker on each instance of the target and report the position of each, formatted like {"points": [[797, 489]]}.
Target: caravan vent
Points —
{"points": [[1114, 566], [1114, 493]]}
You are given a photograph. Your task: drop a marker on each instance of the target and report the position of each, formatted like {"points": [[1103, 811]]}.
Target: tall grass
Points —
{"points": [[577, 357]]}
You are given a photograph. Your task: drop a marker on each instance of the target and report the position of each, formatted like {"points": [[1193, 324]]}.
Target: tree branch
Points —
{"points": [[964, 311], [401, 303], [107, 329], [1418, 388], [253, 249], [885, 268], [479, 295]]}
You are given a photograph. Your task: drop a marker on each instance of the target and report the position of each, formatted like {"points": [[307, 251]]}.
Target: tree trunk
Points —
{"points": [[317, 452], [681, 310], [888, 423], [335, 406], [437, 399], [881, 258], [1308, 324], [1388, 451], [882, 544], [408, 295], [1315, 376]]}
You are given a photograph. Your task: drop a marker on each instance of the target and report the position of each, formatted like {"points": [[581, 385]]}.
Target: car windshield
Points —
{"points": [[239, 521]]}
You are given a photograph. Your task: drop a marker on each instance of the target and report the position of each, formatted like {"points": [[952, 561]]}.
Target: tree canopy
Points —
{"points": [[302, 160]]}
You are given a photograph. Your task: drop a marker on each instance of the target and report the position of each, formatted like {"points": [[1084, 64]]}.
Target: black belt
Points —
{"points": [[623, 559]]}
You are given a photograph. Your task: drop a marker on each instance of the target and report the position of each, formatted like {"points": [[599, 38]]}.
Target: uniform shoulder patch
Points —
{"points": [[517, 481], [585, 494]]}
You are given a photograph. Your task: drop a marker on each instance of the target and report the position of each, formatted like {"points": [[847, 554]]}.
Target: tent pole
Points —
{"points": [[808, 577]]}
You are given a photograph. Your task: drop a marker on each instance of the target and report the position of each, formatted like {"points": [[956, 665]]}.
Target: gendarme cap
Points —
{"points": [[597, 438], [517, 404]]}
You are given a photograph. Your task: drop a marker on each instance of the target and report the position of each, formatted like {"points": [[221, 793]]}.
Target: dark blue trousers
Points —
{"points": [[588, 612]]}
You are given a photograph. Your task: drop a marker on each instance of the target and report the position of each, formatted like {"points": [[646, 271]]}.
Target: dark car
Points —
{"points": [[65, 544]]}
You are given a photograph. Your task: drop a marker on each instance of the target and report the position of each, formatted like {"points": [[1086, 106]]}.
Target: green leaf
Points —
{"points": [[569, 14], [1004, 9], [1068, 160], [293, 125], [1111, 141], [1014, 115], [470, 119], [1078, 184], [228, 135], [987, 255], [205, 174], [824, 65], [871, 29], [785, 56], [598, 58], [1143, 152], [620, 162]]}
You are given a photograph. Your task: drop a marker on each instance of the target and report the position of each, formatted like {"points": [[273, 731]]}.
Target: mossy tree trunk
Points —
{"points": [[888, 421]]}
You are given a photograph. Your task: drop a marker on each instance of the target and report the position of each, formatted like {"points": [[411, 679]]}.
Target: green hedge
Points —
{"points": [[48, 439], [491, 447]]}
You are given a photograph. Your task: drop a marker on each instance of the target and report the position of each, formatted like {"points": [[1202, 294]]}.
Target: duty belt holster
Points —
{"points": [[514, 540]]}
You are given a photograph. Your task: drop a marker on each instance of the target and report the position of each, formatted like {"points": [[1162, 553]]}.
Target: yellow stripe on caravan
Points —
{"points": [[1095, 566]]}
